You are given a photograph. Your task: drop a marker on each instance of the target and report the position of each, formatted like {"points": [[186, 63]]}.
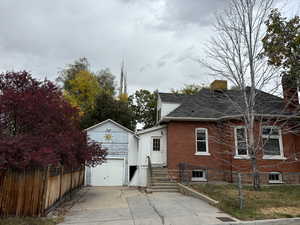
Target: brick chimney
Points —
{"points": [[290, 91], [218, 85]]}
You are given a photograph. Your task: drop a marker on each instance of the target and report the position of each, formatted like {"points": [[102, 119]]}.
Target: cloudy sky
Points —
{"points": [[157, 38]]}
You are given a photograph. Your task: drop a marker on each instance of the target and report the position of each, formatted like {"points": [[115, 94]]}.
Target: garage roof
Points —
{"points": [[107, 121]]}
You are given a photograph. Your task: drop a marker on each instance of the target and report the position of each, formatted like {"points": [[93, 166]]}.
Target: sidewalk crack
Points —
{"points": [[130, 210], [162, 218]]}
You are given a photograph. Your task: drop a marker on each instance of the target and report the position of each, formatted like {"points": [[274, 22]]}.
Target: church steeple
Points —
{"points": [[123, 83]]}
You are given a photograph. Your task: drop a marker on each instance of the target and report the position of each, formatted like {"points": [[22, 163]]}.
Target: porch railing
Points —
{"points": [[149, 172]]}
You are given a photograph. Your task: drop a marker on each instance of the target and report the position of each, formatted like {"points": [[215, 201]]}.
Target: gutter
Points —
{"points": [[170, 118]]}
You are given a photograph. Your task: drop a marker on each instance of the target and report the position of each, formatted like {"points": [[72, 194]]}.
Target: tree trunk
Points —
{"points": [[252, 151], [255, 173]]}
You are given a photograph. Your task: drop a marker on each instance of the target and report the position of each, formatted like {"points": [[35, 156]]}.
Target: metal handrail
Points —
{"points": [[149, 172]]}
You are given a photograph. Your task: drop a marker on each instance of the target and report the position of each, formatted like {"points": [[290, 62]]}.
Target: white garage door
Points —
{"points": [[110, 173]]}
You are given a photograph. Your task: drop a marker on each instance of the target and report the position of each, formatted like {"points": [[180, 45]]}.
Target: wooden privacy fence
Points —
{"points": [[33, 192]]}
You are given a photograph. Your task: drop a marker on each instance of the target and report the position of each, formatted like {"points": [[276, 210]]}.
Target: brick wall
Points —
{"points": [[221, 146]]}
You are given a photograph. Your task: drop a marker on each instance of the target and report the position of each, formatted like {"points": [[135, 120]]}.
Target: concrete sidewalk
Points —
{"points": [[124, 206]]}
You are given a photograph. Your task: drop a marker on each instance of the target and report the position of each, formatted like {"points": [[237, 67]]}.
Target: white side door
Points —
{"points": [[156, 150], [109, 173]]}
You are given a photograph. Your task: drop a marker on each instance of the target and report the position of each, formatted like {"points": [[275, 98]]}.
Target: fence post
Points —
{"points": [[71, 187], [60, 181], [241, 197], [45, 190]]}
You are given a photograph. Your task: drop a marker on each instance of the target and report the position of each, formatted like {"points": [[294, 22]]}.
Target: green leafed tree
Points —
{"points": [[108, 107], [282, 43], [144, 106], [95, 95], [83, 90], [82, 86], [106, 81], [69, 73]]}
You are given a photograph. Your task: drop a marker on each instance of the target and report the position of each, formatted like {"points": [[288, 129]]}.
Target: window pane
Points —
{"points": [[241, 141], [156, 144], [270, 131], [201, 146], [271, 146], [201, 135], [241, 134], [274, 176], [198, 173], [242, 148]]}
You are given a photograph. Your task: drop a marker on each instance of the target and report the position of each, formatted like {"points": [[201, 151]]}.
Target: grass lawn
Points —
{"points": [[29, 221], [269, 203]]}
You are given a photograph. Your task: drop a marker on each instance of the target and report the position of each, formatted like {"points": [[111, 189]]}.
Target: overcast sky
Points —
{"points": [[156, 38]]}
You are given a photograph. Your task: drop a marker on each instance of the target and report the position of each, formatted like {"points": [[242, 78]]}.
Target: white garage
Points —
{"points": [[110, 173], [121, 145]]}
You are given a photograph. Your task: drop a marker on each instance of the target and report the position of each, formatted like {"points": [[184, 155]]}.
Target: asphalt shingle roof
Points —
{"points": [[216, 104], [173, 98]]}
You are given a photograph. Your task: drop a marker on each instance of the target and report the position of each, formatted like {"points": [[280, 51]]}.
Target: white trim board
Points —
{"points": [[151, 129]]}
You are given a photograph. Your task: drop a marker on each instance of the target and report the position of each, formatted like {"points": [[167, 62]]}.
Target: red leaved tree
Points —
{"points": [[39, 128]]}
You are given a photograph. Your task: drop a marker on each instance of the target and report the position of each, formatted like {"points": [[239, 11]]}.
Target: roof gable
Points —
{"points": [[109, 121]]}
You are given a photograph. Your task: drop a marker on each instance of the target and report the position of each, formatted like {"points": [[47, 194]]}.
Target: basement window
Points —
{"points": [[199, 175], [275, 178]]}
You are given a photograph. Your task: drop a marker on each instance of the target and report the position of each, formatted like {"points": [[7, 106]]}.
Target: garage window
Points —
{"points": [[156, 144]]}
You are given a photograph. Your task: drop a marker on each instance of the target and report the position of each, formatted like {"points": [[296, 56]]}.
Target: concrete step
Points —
{"points": [[160, 177], [159, 172], [164, 187], [161, 180], [164, 183], [162, 190]]}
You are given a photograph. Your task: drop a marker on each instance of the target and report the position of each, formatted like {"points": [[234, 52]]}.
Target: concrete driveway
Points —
{"points": [[125, 206]]}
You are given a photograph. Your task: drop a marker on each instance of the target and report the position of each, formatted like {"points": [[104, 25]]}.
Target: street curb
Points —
{"points": [[289, 221]]}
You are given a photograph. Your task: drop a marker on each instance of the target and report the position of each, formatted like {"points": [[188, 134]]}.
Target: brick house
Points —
{"points": [[205, 131]]}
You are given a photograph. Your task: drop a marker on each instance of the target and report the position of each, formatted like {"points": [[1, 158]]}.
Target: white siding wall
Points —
{"points": [[117, 145], [122, 144], [145, 149], [132, 149], [166, 108], [158, 108]]}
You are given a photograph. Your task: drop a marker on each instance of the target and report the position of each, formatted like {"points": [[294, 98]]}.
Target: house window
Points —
{"points": [[201, 141], [272, 145], [156, 144], [199, 175], [241, 141], [275, 178]]}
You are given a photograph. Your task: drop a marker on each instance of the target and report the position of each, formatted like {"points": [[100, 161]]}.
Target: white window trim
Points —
{"points": [[206, 140], [237, 156], [204, 178], [156, 137], [281, 156], [276, 181]]}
